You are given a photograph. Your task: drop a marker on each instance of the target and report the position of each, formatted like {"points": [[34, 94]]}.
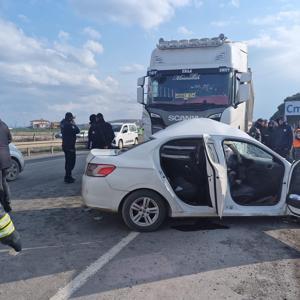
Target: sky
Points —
{"points": [[85, 56]]}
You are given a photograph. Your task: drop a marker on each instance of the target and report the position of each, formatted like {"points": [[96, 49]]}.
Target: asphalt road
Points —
{"points": [[236, 258]]}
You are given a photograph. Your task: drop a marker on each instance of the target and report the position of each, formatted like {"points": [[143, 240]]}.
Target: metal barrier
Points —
{"points": [[28, 146]]}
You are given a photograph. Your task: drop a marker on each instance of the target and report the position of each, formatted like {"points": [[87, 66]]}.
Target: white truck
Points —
{"points": [[197, 78]]}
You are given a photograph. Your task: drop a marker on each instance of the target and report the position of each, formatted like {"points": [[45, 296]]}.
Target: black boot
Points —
{"points": [[13, 240]]}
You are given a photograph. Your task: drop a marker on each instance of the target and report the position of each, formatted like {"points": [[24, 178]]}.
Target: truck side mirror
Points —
{"points": [[246, 77], [244, 93], [141, 81], [140, 95]]}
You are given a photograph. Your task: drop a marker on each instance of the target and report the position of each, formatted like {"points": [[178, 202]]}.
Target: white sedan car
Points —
{"points": [[195, 168]]}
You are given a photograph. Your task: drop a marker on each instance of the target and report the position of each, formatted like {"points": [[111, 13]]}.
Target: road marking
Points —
{"points": [[67, 291]]}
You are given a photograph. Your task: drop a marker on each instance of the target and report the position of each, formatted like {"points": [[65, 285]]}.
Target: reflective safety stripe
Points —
{"points": [[9, 229], [4, 221]]}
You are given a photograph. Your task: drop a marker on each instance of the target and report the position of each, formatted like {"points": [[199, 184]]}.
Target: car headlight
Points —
{"points": [[216, 117]]}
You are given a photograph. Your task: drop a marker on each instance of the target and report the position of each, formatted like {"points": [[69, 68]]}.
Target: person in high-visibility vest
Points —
{"points": [[8, 234], [296, 145]]}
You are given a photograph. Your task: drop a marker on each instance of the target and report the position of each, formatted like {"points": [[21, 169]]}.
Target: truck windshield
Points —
{"points": [[189, 90]]}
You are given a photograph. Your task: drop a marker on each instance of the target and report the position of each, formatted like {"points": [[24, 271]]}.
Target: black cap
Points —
{"points": [[69, 116]]}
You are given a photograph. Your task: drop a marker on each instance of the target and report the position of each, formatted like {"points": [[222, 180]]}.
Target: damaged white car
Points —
{"points": [[195, 168]]}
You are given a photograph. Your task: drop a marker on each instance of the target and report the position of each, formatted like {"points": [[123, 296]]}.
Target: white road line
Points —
{"points": [[81, 279]]}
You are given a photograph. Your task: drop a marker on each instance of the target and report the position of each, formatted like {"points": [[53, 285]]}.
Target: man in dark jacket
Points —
{"points": [[92, 132], [283, 138], [104, 133], [5, 163], [255, 130], [269, 135], [69, 131]]}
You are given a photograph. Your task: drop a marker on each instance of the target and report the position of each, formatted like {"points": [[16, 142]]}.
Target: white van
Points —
{"points": [[125, 134]]}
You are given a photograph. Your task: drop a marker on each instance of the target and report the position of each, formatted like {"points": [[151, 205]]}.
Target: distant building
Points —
{"points": [[40, 124], [55, 125]]}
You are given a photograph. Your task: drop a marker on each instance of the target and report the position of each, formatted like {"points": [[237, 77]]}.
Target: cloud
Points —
{"points": [[133, 68], [282, 16], [23, 18], [63, 35], [220, 23], [42, 79], [92, 33], [147, 14], [184, 31], [235, 3], [279, 51]]}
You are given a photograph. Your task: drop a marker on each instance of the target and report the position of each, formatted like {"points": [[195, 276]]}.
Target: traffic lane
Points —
{"points": [[156, 261], [57, 245], [44, 178]]}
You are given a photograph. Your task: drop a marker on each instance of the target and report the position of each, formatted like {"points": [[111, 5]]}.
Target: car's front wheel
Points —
{"points": [[120, 144], [13, 171], [144, 210], [136, 141]]}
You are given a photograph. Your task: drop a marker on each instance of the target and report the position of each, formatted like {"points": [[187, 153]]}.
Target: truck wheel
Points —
{"points": [[120, 144], [13, 171], [144, 211]]}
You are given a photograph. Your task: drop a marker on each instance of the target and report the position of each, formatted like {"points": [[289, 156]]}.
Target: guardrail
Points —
{"points": [[28, 146]]}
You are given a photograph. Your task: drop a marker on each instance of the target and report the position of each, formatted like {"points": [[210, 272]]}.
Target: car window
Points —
{"points": [[247, 149], [125, 129], [132, 128]]}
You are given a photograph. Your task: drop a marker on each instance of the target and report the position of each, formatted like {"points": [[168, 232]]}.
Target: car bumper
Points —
{"points": [[97, 193]]}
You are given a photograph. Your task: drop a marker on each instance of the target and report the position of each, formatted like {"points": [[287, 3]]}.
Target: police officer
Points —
{"points": [[69, 131], [104, 133], [255, 130], [283, 138], [8, 235]]}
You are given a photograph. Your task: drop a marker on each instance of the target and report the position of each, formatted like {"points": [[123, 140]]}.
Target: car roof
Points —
{"points": [[123, 124], [200, 126]]}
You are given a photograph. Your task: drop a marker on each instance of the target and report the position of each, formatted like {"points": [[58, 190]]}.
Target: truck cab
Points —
{"points": [[197, 78]]}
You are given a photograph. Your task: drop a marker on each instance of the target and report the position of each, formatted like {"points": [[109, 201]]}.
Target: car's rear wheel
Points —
{"points": [[120, 144], [144, 210], [14, 171]]}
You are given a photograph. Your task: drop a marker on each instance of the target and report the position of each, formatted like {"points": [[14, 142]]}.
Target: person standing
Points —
{"points": [[92, 132], [255, 130], [8, 234], [296, 145], [5, 163], [69, 131], [283, 140], [104, 133], [269, 134]]}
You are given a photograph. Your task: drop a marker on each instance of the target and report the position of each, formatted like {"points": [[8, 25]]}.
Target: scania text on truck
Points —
{"points": [[197, 78]]}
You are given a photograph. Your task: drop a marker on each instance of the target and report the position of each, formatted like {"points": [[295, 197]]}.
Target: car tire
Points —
{"points": [[144, 211], [136, 141], [120, 144], [14, 171]]}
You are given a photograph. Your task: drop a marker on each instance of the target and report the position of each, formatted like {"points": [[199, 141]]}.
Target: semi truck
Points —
{"points": [[196, 78]]}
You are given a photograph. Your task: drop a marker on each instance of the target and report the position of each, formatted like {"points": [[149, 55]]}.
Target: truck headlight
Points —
{"points": [[216, 117]]}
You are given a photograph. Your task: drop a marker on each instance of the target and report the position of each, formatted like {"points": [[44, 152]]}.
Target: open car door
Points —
{"points": [[217, 176], [293, 194]]}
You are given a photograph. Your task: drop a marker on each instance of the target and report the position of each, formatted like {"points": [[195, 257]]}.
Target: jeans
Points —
{"points": [[70, 160]]}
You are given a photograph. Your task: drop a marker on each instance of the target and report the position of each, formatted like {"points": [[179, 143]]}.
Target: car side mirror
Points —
{"points": [[293, 200]]}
